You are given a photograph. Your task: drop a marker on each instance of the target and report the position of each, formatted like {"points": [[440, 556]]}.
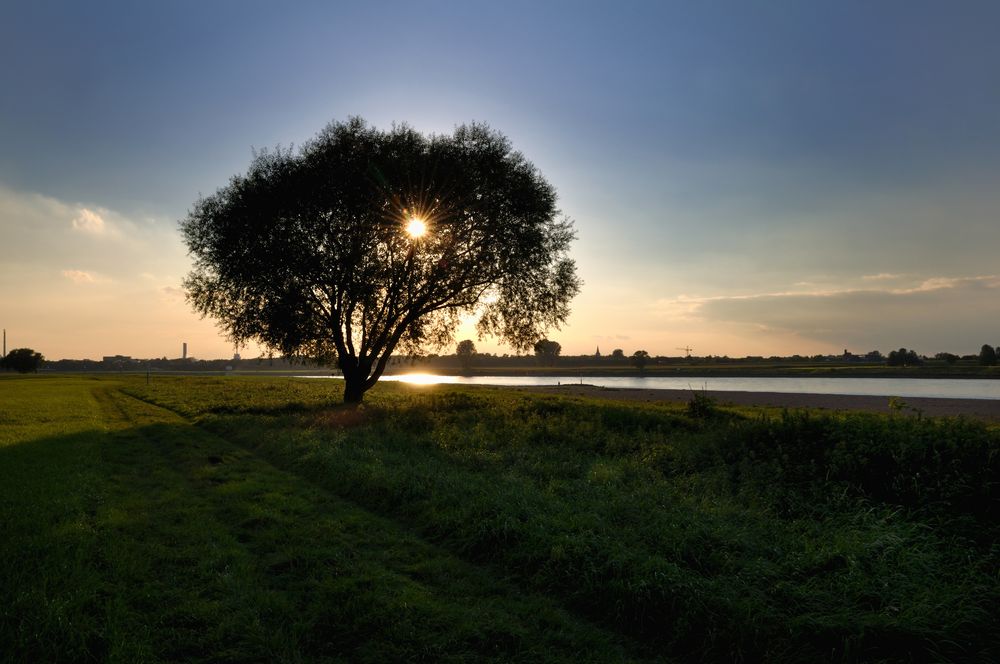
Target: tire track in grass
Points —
{"points": [[284, 570]]}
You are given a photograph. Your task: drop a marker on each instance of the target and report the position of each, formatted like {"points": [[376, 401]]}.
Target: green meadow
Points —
{"points": [[259, 519]]}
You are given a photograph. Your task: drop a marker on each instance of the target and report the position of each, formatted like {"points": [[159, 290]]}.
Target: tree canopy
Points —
{"points": [[987, 356], [365, 240], [903, 358], [640, 359], [465, 351], [22, 360], [547, 351]]}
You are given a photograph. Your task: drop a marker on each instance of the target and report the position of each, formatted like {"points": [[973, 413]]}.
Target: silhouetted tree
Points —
{"points": [[22, 360], [903, 358], [366, 240], [987, 356], [949, 358], [640, 359], [466, 351], [618, 354], [547, 351]]}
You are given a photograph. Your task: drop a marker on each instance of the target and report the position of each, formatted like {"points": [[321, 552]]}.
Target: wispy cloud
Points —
{"points": [[79, 276], [89, 221], [882, 276], [172, 292]]}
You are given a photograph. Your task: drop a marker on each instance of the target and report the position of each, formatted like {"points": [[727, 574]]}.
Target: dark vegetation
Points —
{"points": [[904, 358], [547, 352], [987, 356], [942, 365], [253, 518], [22, 360]]}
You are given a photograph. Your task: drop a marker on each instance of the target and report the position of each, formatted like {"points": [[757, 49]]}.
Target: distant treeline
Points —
{"points": [[121, 363], [988, 356]]}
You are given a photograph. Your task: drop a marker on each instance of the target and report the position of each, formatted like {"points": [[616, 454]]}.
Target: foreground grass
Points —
{"points": [[130, 535], [259, 519]]}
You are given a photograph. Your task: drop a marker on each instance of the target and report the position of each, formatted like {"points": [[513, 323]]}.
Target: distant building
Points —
{"points": [[116, 359], [598, 353]]}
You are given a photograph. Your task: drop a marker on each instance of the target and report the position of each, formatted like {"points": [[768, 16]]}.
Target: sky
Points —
{"points": [[745, 178]]}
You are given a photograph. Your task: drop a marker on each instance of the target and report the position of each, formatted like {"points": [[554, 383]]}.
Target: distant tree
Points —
{"points": [[366, 240], [903, 358], [22, 360], [640, 359], [547, 351], [618, 354], [987, 356], [949, 358], [466, 351]]}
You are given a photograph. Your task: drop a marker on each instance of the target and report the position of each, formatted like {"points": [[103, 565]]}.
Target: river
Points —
{"points": [[947, 388]]}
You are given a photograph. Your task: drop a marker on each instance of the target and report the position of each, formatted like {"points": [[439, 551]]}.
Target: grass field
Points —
{"points": [[257, 519]]}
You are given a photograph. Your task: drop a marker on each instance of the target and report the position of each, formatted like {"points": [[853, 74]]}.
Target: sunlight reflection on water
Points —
{"points": [[421, 379]]}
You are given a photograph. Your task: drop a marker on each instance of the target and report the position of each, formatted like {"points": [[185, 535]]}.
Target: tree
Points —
{"points": [[987, 356], [466, 351], [949, 358], [903, 358], [365, 240], [640, 359], [547, 351], [22, 360], [618, 354]]}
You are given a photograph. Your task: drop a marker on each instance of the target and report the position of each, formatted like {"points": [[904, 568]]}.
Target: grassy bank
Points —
{"points": [[242, 518]]}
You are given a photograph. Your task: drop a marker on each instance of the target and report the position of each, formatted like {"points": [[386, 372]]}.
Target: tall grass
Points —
{"points": [[702, 533]]}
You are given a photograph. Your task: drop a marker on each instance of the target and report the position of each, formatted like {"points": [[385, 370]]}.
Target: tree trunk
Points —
{"points": [[354, 381], [354, 390]]}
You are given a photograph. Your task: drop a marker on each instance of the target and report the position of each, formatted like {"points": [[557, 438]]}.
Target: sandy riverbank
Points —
{"points": [[984, 409]]}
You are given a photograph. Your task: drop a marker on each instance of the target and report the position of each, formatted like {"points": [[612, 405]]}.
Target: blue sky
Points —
{"points": [[745, 177]]}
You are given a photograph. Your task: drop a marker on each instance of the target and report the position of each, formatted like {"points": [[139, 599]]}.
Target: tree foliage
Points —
{"points": [[547, 351], [308, 254], [22, 360], [948, 358], [640, 359], [466, 352], [987, 356], [903, 358]]}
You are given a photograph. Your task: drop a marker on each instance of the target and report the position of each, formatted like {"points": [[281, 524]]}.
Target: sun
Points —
{"points": [[416, 227]]}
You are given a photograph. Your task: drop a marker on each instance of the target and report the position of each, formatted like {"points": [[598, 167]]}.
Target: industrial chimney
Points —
{"points": [[184, 351]]}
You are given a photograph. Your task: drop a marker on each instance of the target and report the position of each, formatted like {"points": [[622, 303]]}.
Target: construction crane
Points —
{"points": [[686, 349]]}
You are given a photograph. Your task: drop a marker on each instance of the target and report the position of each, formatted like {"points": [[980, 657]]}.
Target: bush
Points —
{"points": [[701, 407]]}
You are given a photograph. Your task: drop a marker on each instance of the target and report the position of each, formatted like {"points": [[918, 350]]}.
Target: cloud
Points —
{"points": [[173, 293], [88, 221], [79, 276], [935, 314], [882, 276]]}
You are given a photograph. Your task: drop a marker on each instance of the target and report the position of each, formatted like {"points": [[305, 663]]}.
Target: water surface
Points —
{"points": [[948, 388]]}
